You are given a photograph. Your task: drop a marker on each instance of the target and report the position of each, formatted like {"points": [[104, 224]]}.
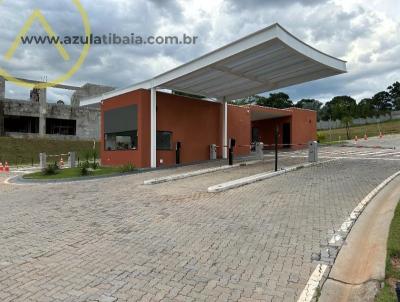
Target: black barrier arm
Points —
{"points": [[276, 147], [178, 152], [232, 143]]}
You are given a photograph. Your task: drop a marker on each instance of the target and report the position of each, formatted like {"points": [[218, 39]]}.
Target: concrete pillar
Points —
{"points": [[42, 111], [43, 161], [71, 160], [260, 151], [224, 142], [153, 128], [2, 97], [312, 152]]}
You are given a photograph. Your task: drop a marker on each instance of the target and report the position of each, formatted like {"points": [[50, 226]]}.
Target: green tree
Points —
{"points": [[365, 108], [309, 104], [394, 91], [382, 102], [347, 121], [340, 107], [276, 100]]}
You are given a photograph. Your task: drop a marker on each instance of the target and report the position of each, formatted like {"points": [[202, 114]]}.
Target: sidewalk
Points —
{"points": [[360, 266]]}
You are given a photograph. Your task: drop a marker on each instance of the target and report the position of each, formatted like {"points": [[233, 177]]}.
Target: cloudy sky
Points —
{"points": [[364, 33]]}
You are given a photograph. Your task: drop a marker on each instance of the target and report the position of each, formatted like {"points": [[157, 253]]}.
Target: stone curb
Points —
{"points": [[258, 177], [329, 253], [195, 173]]}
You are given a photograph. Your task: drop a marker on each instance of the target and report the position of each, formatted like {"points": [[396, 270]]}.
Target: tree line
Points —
{"points": [[344, 108]]}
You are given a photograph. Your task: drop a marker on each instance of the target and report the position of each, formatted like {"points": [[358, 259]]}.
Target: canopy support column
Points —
{"points": [[153, 128], [224, 128]]}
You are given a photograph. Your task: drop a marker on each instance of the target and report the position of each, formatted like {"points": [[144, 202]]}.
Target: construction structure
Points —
{"points": [[148, 124], [35, 117]]}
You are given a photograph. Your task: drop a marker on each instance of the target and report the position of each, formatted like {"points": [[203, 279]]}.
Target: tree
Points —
{"points": [[309, 104], [365, 108], [276, 100], [382, 102], [347, 121], [394, 92], [340, 107]]}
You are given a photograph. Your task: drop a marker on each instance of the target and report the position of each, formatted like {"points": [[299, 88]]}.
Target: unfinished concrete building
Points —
{"points": [[36, 117]]}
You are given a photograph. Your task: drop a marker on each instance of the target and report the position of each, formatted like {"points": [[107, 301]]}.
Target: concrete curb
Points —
{"points": [[195, 173], [258, 177], [329, 253]]}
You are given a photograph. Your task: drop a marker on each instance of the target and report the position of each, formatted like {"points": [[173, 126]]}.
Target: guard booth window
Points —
{"points": [[120, 129], [164, 140]]}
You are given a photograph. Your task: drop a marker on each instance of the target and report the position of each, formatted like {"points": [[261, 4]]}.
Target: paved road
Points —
{"points": [[118, 240]]}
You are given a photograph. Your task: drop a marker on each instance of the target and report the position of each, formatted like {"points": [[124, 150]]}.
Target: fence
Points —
{"points": [[325, 125]]}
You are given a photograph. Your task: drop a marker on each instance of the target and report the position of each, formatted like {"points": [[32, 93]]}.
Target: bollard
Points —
{"points": [[43, 161], [260, 151], [312, 152], [213, 151], [71, 160]]}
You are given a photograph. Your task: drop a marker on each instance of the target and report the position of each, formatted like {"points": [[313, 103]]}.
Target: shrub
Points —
{"points": [[85, 171], [51, 169], [84, 164], [127, 168], [321, 137], [94, 165]]}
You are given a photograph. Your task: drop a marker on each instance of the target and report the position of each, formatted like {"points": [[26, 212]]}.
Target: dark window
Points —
{"points": [[121, 141], [60, 127], [22, 124], [164, 140], [120, 129]]}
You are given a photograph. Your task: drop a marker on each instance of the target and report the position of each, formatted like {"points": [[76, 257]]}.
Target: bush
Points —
{"points": [[85, 171], [94, 165], [84, 164], [321, 137], [127, 168], [50, 169]]}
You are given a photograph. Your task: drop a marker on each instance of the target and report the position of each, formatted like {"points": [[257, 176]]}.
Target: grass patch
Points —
{"points": [[17, 151], [388, 294], [389, 127], [74, 173]]}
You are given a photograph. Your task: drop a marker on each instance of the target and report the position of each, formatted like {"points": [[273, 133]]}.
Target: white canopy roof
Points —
{"points": [[268, 59]]}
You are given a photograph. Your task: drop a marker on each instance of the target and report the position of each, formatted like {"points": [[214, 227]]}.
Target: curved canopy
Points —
{"points": [[268, 59]]}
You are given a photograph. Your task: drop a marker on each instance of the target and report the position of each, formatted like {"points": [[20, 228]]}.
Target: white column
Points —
{"points": [[224, 128], [153, 128], [42, 111]]}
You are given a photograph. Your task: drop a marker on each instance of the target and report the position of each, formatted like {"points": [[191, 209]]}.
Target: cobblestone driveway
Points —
{"points": [[117, 240]]}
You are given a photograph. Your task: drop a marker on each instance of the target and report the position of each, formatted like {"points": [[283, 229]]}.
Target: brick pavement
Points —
{"points": [[118, 240]]}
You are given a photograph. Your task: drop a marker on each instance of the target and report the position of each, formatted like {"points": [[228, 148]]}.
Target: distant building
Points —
{"points": [[37, 118]]}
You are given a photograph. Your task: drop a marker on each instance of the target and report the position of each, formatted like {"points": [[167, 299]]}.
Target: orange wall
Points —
{"points": [[239, 127], [197, 125], [304, 126], [194, 123], [136, 157]]}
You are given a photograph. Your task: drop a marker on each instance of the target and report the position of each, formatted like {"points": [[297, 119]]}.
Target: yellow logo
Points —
{"points": [[37, 15]]}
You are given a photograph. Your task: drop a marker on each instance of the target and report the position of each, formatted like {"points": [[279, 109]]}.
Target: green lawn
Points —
{"points": [[387, 294], [18, 151], [73, 173], [390, 127]]}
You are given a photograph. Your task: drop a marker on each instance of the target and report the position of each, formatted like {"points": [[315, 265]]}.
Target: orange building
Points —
{"points": [[194, 124], [143, 125]]}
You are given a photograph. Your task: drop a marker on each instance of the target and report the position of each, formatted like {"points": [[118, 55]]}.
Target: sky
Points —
{"points": [[364, 33]]}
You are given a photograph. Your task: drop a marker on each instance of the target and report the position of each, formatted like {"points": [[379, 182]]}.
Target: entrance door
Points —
{"points": [[286, 135], [255, 134]]}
